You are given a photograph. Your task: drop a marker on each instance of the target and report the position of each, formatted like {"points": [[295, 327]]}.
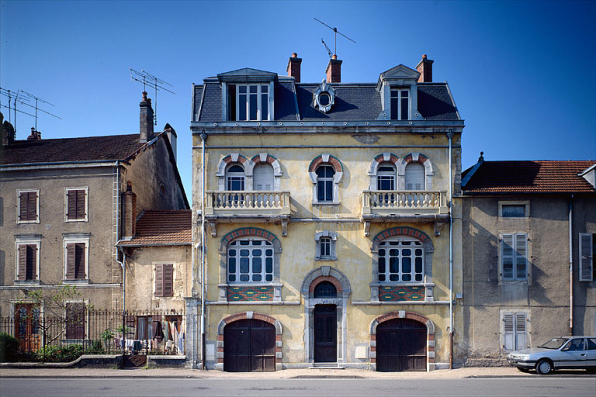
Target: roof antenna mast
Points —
{"points": [[151, 81], [22, 98], [335, 45]]}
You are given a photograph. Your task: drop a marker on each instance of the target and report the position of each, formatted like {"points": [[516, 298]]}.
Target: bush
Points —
{"points": [[9, 347], [59, 353], [95, 348]]}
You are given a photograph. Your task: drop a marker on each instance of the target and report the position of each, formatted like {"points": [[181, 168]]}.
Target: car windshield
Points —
{"points": [[554, 343]]}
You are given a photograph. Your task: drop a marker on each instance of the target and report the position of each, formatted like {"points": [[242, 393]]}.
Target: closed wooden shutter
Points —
{"points": [[520, 331], [507, 256], [75, 261], [415, 176], [521, 253], [76, 204], [75, 321], [28, 206], [22, 262], [70, 261], [508, 331], [164, 280], [586, 255], [158, 280]]}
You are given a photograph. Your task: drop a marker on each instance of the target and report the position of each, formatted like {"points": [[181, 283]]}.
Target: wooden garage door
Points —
{"points": [[401, 346], [249, 345]]}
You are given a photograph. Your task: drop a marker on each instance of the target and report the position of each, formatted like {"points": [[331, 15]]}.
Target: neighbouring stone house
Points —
{"points": [[62, 206], [529, 231], [328, 209]]}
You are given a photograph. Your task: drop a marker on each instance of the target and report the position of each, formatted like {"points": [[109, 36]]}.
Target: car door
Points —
{"points": [[574, 354]]}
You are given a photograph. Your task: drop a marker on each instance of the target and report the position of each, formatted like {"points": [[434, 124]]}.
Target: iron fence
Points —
{"points": [[38, 336]]}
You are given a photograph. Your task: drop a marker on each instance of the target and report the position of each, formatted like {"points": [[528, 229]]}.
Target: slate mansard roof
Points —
{"points": [[527, 177], [155, 228], [88, 149], [294, 101]]}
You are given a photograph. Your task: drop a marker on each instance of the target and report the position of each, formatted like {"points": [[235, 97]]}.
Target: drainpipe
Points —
{"points": [[203, 141], [450, 136], [571, 265], [123, 266]]}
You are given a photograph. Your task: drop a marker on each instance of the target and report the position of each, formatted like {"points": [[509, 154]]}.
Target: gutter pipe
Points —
{"points": [[571, 265], [450, 136], [203, 142]]}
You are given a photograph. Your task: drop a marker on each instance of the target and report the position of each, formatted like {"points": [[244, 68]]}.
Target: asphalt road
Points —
{"points": [[166, 387]]}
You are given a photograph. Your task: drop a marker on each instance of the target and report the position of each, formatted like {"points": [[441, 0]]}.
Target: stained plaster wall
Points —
{"points": [[545, 295], [353, 248]]}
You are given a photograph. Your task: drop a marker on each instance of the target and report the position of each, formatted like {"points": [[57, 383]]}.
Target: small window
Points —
{"points": [[76, 256], [400, 104], [76, 204], [27, 261], [415, 176], [514, 254], [514, 331], [325, 183], [164, 280], [235, 178], [386, 177], [587, 247], [252, 102], [250, 261], [325, 246], [325, 289], [514, 209], [28, 206]]}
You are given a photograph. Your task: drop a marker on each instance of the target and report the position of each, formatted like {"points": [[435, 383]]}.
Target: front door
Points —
{"points": [[27, 329], [401, 345], [325, 333], [249, 346]]}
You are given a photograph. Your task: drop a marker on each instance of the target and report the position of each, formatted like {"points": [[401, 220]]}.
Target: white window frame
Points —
{"points": [[516, 236], [399, 97], [384, 245], [235, 174], [259, 95], [329, 237], [68, 189], [586, 256], [265, 246], [525, 203], [518, 337], [19, 191], [75, 239], [27, 240]]}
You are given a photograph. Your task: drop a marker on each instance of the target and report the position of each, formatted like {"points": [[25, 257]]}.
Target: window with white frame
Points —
{"points": [[27, 206], [76, 204], [235, 178], [325, 183], [27, 266], [587, 247], [415, 174], [401, 259], [76, 258], [514, 209], [514, 256], [251, 102], [325, 246], [250, 261], [386, 175], [514, 330], [400, 104]]}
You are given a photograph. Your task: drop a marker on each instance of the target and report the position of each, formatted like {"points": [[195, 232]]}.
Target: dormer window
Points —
{"points": [[252, 102], [400, 104]]}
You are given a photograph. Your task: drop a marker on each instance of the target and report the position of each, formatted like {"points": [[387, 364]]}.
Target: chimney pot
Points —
{"points": [[333, 70], [293, 68], [146, 115], [425, 68]]}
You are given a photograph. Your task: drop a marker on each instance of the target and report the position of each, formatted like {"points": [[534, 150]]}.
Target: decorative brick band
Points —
{"points": [[401, 231], [400, 294], [241, 159], [334, 161], [380, 158], [249, 294], [421, 158], [330, 279], [257, 159], [247, 232]]}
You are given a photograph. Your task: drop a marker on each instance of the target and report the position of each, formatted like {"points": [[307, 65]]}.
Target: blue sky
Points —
{"points": [[523, 73]]}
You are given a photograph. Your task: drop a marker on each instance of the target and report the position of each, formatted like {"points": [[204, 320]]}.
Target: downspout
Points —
{"points": [[123, 266], [203, 141], [571, 265], [450, 136]]}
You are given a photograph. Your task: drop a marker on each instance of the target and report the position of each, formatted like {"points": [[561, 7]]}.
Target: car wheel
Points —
{"points": [[544, 367]]}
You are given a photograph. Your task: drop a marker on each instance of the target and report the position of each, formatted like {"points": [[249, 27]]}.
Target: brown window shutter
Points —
{"points": [[31, 261], [168, 280], [22, 262], [81, 204], [23, 206], [32, 206], [75, 321], [70, 261], [159, 290], [71, 206], [80, 261]]}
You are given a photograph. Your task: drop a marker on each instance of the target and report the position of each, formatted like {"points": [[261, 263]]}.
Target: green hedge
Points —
{"points": [[9, 346]]}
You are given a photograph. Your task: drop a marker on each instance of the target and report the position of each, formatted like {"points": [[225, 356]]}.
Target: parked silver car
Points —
{"points": [[571, 352]]}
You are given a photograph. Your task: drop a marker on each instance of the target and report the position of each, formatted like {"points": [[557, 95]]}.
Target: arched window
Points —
{"points": [[325, 289], [263, 177], [401, 259], [415, 176], [235, 178], [386, 174], [250, 261], [325, 173]]}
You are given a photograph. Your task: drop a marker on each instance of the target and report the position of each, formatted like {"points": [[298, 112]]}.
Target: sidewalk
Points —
{"points": [[460, 373]]}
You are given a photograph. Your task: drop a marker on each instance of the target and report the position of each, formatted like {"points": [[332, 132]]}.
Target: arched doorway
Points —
{"points": [[249, 346], [325, 330], [401, 345]]}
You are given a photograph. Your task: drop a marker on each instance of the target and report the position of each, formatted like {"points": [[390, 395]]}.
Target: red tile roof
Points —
{"points": [[168, 227], [95, 148], [529, 177]]}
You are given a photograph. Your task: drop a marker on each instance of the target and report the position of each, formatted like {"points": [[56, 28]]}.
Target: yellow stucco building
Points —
{"points": [[330, 233]]}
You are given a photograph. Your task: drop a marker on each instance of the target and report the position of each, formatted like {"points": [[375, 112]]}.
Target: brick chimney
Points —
{"points": [[8, 132], [146, 131], [35, 135], [425, 68], [129, 212], [294, 67], [334, 70]]}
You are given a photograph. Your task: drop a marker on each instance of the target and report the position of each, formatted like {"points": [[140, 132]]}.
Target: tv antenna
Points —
{"points": [[336, 32], [22, 98], [151, 81]]}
